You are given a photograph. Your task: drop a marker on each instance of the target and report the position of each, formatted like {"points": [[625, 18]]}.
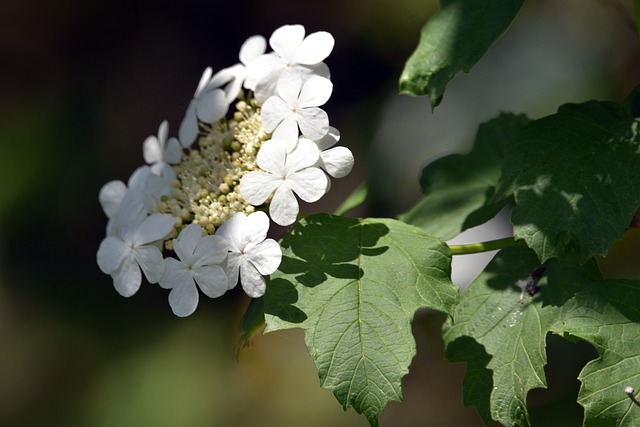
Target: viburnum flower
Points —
{"points": [[209, 104], [200, 263], [124, 254], [251, 255], [235, 76], [160, 152], [282, 175], [292, 53], [296, 105], [336, 161]]}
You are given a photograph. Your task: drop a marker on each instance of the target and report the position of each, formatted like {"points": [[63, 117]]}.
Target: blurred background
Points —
{"points": [[83, 83]]}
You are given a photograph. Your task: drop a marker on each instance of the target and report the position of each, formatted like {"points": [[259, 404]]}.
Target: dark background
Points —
{"points": [[83, 83]]}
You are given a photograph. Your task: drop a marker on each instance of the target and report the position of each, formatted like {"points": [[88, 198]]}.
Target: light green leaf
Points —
{"points": [[354, 285], [574, 176], [355, 199], [457, 187], [452, 41]]}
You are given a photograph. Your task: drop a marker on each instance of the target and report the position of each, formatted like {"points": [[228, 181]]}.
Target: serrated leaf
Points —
{"points": [[354, 285], [457, 187], [509, 329], [500, 332], [574, 179], [452, 41]]}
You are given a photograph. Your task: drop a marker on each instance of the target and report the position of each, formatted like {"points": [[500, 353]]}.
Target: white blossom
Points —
{"points": [[282, 175], [209, 104], [201, 260], [336, 161], [234, 77], [296, 105], [251, 255], [124, 254], [161, 153], [292, 53]]}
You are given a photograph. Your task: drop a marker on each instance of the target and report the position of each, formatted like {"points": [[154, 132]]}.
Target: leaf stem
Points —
{"points": [[492, 245]]}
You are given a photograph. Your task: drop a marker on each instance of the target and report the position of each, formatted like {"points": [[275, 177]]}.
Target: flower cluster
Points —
{"points": [[203, 195]]}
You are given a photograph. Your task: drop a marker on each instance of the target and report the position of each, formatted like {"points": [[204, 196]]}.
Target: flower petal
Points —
{"points": [[211, 105], [309, 184], [175, 273], [255, 227], [315, 92], [304, 155], [188, 131], [127, 277], [274, 111], [154, 227], [212, 280], [273, 156], [111, 253], [337, 161], [172, 151], [210, 250], [289, 87], [256, 186], [252, 48], [110, 197], [265, 256], [314, 48], [329, 140], [231, 231], [286, 40], [185, 244], [232, 268], [183, 299], [151, 150], [252, 281], [287, 131], [204, 80], [150, 260], [313, 122], [284, 208]]}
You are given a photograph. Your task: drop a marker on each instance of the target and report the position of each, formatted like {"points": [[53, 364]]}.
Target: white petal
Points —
{"points": [[110, 197], [256, 186], [172, 151], [150, 260], [232, 269], [252, 48], [204, 80], [256, 227], [266, 256], [287, 131], [188, 131], [315, 92], [286, 40], [289, 87], [314, 48], [329, 140], [306, 154], [185, 244], [127, 278], [110, 254], [309, 184], [272, 156], [252, 281], [321, 70], [210, 250], [212, 280], [231, 232], [154, 227], [274, 111], [337, 161], [151, 150], [163, 132], [284, 208], [262, 75], [183, 299], [175, 273], [211, 105], [313, 122]]}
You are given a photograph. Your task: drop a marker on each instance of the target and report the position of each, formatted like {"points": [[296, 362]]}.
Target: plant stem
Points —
{"points": [[492, 245]]}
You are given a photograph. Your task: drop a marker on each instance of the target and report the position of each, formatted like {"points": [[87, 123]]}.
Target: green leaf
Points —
{"points": [[574, 179], [452, 41], [252, 320], [458, 186], [353, 285], [500, 332], [507, 355], [355, 199]]}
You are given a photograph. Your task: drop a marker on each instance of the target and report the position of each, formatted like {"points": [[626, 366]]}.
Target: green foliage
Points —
{"points": [[458, 187], [353, 286], [574, 179], [453, 41]]}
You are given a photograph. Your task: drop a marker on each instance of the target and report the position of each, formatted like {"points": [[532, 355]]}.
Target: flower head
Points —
{"points": [[251, 254], [282, 175], [201, 260]]}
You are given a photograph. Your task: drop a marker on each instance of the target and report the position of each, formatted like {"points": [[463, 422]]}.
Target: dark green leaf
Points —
{"points": [[354, 285], [458, 186], [574, 176], [453, 41]]}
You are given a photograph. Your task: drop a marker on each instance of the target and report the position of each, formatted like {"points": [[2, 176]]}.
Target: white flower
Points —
{"points": [[200, 263], [297, 106], [251, 255], [160, 152], [283, 174], [336, 161], [209, 104], [292, 53], [129, 250], [233, 77]]}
